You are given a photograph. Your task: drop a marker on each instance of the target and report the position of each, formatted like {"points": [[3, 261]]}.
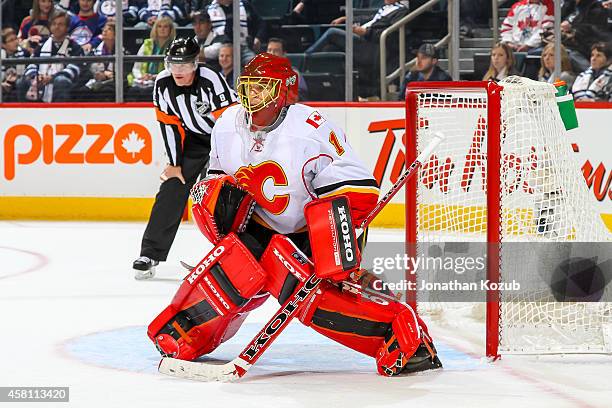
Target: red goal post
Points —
{"points": [[532, 192], [493, 214]]}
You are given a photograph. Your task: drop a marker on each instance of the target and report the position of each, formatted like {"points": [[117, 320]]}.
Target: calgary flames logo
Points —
{"points": [[253, 179]]}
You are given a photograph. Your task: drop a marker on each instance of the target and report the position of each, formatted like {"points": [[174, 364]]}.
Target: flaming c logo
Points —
{"points": [[253, 178]]}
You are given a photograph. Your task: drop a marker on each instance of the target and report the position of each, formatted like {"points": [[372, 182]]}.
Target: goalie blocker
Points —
{"points": [[229, 282], [332, 237]]}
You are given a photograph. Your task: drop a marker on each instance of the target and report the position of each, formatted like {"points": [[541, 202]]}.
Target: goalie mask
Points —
{"points": [[266, 86]]}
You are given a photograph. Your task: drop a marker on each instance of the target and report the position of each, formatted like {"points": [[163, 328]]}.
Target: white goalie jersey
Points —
{"points": [[303, 158]]}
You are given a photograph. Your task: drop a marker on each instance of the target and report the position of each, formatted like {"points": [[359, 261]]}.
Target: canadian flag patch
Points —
{"points": [[315, 119]]}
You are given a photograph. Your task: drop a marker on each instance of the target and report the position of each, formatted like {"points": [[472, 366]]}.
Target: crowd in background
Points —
{"points": [[586, 50], [87, 27]]}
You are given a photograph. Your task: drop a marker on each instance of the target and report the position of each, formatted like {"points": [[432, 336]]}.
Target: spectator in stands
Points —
{"points": [[86, 26], [334, 38], [525, 23], [366, 44], [207, 40], [52, 82], [142, 77], [226, 62], [34, 29], [502, 63], [473, 13], [103, 82], [593, 84], [10, 75], [426, 68], [106, 8], [607, 4], [547, 66], [252, 27], [154, 9], [585, 22], [316, 12], [276, 46]]}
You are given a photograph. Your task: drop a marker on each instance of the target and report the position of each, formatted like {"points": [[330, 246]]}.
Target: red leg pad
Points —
{"points": [[199, 340], [351, 320], [285, 265], [211, 303], [406, 329], [401, 345], [384, 329]]}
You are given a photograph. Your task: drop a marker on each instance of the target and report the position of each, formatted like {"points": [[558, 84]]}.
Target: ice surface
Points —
{"points": [[72, 315]]}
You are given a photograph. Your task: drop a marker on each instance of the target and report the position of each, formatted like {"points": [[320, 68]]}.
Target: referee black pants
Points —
{"points": [[168, 209]]}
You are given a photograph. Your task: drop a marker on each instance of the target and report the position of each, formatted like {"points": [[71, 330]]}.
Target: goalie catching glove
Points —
{"points": [[220, 206]]}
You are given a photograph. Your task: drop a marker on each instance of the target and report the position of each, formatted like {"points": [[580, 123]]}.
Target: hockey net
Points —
{"points": [[505, 174]]}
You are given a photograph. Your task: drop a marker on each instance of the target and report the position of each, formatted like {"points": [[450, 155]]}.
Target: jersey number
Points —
{"points": [[333, 139]]}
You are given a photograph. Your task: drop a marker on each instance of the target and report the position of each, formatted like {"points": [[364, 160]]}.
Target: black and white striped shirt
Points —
{"points": [[186, 115]]}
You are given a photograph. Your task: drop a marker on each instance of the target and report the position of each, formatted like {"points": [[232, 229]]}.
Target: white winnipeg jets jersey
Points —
{"points": [[305, 157]]}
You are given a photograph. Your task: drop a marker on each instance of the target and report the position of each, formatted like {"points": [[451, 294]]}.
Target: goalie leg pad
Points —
{"points": [[400, 343], [211, 303], [285, 266], [351, 320], [387, 330]]}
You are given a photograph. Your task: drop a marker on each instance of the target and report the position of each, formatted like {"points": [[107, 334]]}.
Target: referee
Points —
{"points": [[188, 98]]}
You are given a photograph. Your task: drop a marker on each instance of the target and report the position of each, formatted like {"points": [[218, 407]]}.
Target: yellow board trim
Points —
{"points": [[138, 209], [75, 208], [607, 219], [391, 216]]}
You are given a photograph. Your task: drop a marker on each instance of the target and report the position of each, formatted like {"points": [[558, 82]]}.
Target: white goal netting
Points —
{"points": [[544, 203]]}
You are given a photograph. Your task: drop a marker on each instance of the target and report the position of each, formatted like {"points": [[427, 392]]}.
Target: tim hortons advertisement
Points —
{"points": [[118, 152], [382, 145]]}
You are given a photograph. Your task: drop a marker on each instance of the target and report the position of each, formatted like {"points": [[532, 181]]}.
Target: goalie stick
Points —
{"points": [[239, 366], [345, 285], [187, 266]]}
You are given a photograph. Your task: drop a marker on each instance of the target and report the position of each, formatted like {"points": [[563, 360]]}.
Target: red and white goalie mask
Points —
{"points": [[266, 86]]}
